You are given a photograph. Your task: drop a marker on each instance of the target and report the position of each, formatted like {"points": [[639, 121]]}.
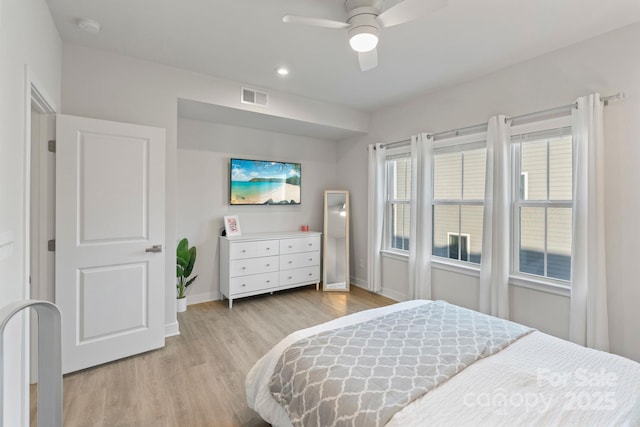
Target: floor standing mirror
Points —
{"points": [[336, 241]]}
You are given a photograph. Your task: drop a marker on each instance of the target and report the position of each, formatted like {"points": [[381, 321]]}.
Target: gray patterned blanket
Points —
{"points": [[362, 374]]}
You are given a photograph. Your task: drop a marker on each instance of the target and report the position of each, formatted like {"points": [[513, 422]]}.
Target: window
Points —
{"points": [[398, 209], [458, 202], [543, 203], [524, 185], [459, 246]]}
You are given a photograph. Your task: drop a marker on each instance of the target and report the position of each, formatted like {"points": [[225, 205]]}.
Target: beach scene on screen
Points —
{"points": [[256, 182]]}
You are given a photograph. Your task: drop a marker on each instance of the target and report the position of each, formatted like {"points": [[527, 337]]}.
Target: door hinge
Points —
{"points": [[51, 245], [51, 146]]}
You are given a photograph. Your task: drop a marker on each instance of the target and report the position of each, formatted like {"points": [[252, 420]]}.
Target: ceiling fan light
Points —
{"points": [[363, 39]]}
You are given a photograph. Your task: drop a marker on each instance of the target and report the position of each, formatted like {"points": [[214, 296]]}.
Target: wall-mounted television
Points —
{"points": [[261, 182]]}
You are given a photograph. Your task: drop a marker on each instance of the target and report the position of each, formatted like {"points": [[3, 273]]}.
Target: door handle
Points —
{"points": [[154, 248]]}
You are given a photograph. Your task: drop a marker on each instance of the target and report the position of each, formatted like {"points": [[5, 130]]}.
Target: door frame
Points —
{"points": [[39, 189], [33, 94]]}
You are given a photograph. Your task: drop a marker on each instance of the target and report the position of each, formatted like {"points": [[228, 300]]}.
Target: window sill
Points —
{"points": [[437, 263], [540, 284], [522, 281], [397, 255], [456, 266]]}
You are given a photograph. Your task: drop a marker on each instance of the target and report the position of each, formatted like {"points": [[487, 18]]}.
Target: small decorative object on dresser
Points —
{"points": [[185, 260], [232, 225], [259, 263]]}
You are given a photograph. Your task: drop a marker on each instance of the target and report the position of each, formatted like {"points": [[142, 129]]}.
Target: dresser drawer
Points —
{"points": [[300, 244], [300, 275], [242, 250], [257, 282], [305, 259], [245, 267], [268, 262]]}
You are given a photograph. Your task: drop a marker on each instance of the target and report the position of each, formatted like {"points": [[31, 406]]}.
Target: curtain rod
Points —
{"points": [[483, 126]]}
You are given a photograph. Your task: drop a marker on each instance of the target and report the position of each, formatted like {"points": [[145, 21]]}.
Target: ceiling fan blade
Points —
{"points": [[408, 10], [316, 22], [368, 60]]}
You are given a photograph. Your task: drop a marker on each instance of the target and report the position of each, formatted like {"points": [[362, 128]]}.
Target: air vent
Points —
{"points": [[253, 97]]}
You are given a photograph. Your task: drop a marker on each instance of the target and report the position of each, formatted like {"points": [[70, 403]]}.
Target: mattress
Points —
{"points": [[537, 380]]}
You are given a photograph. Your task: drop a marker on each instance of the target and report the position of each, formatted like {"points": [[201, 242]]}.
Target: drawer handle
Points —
{"points": [[290, 262], [268, 265], [310, 274], [268, 281], [310, 244], [243, 251], [290, 246], [310, 259], [290, 277], [243, 268], [268, 249], [244, 284]]}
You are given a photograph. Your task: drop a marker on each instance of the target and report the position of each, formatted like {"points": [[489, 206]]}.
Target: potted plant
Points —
{"points": [[186, 258]]}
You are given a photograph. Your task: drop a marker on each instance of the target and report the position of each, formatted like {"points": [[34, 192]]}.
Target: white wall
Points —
{"points": [[27, 38], [607, 64], [204, 150], [107, 86]]}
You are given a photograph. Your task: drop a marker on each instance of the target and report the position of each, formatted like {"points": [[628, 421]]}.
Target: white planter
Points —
{"points": [[181, 304]]}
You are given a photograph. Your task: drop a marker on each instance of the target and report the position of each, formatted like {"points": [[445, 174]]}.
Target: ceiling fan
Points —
{"points": [[364, 20]]}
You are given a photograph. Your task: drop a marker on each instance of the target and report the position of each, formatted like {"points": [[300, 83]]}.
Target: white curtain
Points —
{"points": [[496, 231], [421, 216], [377, 190], [588, 317]]}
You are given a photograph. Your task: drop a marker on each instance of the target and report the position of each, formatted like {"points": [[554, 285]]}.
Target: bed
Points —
{"points": [[533, 379]]}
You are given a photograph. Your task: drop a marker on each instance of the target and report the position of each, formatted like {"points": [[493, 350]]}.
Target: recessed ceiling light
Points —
{"points": [[282, 71], [89, 25]]}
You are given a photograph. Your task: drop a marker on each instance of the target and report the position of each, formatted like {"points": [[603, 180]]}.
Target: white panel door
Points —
{"points": [[110, 204]]}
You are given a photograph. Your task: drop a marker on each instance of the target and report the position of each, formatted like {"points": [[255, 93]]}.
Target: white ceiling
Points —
{"points": [[245, 40]]}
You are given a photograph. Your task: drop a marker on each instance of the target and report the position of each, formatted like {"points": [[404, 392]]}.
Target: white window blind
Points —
{"points": [[542, 211], [458, 200], [398, 202]]}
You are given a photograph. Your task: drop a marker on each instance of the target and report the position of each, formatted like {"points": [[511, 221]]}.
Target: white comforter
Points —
{"points": [[538, 380]]}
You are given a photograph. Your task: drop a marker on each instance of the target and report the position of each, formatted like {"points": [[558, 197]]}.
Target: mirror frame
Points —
{"points": [[347, 280]]}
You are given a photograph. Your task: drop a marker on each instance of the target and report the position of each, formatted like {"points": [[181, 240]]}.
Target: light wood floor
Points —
{"points": [[197, 379]]}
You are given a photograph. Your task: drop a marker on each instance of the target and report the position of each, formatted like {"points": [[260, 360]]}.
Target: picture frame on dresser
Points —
{"points": [[232, 225]]}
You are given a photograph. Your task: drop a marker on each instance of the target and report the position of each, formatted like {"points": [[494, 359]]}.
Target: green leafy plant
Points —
{"points": [[186, 258]]}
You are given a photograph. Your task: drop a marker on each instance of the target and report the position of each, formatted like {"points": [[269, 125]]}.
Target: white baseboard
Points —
{"points": [[171, 329], [361, 283], [203, 297], [389, 293], [394, 295]]}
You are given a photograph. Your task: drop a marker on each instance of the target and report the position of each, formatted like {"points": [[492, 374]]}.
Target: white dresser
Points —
{"points": [[255, 264]]}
